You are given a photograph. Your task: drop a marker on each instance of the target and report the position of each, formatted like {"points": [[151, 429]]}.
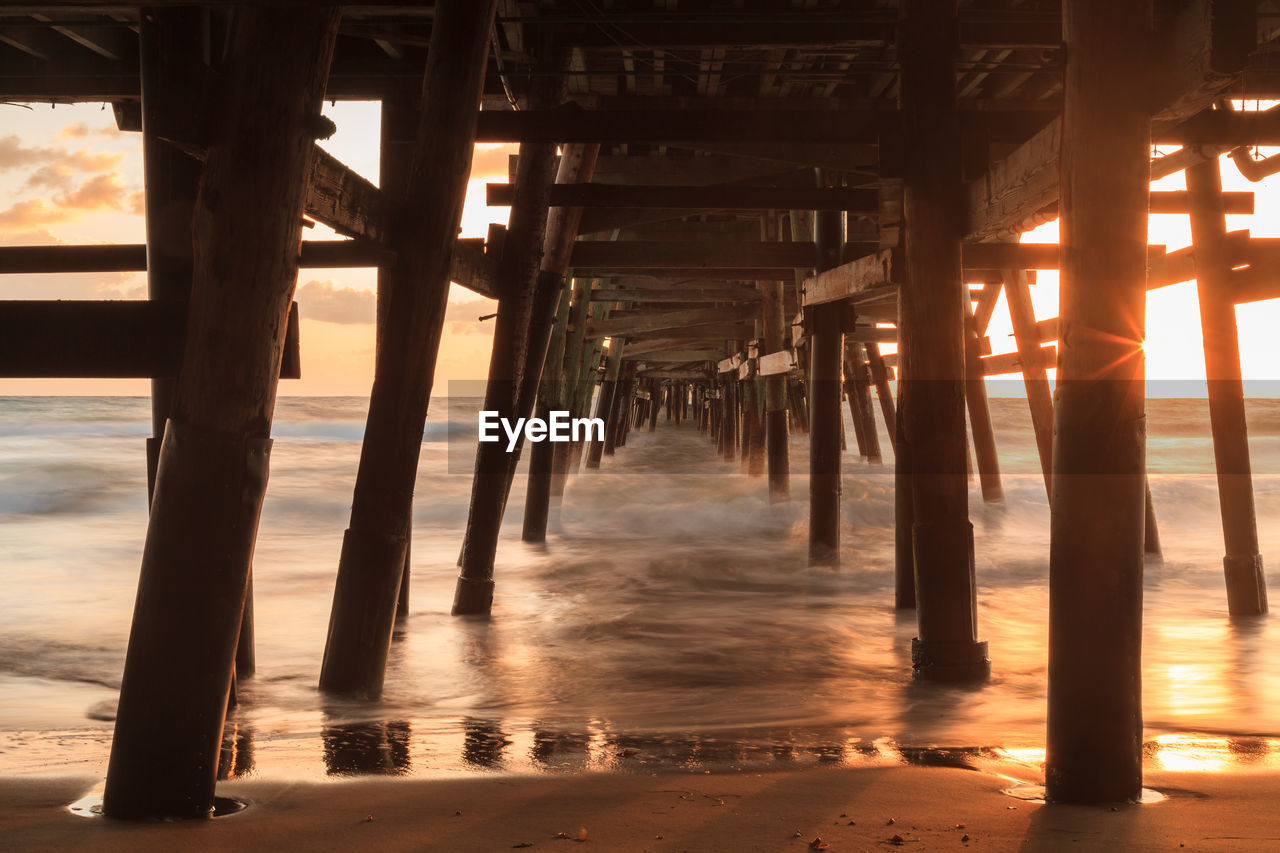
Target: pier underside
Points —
{"points": [[727, 220]]}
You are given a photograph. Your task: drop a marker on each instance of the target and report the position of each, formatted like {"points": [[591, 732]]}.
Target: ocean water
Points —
{"points": [[671, 620]]}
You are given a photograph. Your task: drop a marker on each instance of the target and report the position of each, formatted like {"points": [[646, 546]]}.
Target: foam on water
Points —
{"points": [[673, 606]]}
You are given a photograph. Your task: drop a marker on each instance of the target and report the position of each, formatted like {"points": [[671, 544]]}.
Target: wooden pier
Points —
{"points": [[723, 211]]}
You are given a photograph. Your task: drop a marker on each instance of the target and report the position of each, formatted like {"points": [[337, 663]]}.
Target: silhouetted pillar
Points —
{"points": [[604, 405], [826, 361], [975, 392], [931, 332], [400, 116], [372, 562], [775, 393], [880, 376], [1095, 552], [1246, 583], [212, 469]]}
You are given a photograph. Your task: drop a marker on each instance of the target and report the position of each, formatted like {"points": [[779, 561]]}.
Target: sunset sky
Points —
{"points": [[68, 176]]}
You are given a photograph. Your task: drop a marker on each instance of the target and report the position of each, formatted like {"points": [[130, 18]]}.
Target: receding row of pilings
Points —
{"points": [[209, 470]]}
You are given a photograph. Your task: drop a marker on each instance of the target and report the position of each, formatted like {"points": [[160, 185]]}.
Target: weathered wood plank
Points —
{"points": [[679, 356], [342, 199], [1015, 188], [659, 320], [849, 279], [471, 267], [676, 294], [1011, 362], [714, 332], [776, 363]]}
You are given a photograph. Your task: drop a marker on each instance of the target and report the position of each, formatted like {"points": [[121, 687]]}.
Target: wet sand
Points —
{"points": [[849, 809]]}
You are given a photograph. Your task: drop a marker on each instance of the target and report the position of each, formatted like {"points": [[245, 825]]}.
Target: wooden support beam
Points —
{"points": [[980, 426], [1201, 48], [724, 197], [1096, 531], [774, 326], [931, 328], [604, 404], [212, 472], [675, 294], [469, 265], [1016, 188], [857, 390], [517, 279], [1014, 362], [370, 569], [346, 202], [728, 260], [682, 273], [675, 375], [677, 356], [826, 324], [1246, 582], [653, 321], [690, 256], [717, 332], [1033, 362], [851, 279], [639, 347], [880, 376], [577, 165], [116, 339]]}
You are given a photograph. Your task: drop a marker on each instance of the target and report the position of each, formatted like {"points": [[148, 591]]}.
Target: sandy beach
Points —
{"points": [[917, 808]]}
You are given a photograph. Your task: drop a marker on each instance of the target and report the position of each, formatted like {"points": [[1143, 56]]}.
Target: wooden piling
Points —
{"points": [[754, 432], [400, 115], [858, 383], [1246, 582], [1095, 554], [551, 395], [975, 394], [604, 406], [618, 406], [851, 397], [931, 332], [904, 554], [534, 262], [1034, 376], [212, 469], [774, 320], [826, 361], [572, 371], [424, 234], [729, 417], [880, 376]]}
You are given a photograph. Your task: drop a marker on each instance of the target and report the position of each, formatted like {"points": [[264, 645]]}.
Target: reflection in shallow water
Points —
{"points": [[235, 760], [484, 744], [355, 749]]}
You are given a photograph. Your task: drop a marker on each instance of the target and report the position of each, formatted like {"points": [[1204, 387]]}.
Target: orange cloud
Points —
{"points": [[321, 300], [86, 161], [54, 176], [14, 155], [32, 213], [79, 130], [98, 193]]}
